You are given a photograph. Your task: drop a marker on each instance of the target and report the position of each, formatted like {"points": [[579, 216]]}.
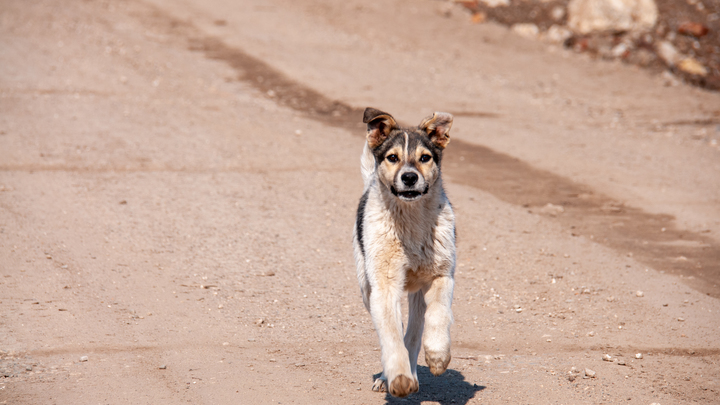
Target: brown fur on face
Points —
{"points": [[407, 159]]}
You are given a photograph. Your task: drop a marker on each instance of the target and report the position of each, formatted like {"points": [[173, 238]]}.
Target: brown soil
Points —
{"points": [[178, 183]]}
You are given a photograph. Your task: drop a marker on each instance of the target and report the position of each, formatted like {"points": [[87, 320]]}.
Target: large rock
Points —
{"points": [[585, 16]]}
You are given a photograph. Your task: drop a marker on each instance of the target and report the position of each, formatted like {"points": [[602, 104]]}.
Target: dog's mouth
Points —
{"points": [[409, 195]]}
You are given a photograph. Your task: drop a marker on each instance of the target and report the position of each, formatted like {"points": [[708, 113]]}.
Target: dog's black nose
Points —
{"points": [[409, 178]]}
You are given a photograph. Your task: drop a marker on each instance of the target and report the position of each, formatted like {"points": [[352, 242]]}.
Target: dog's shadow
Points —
{"points": [[448, 389]]}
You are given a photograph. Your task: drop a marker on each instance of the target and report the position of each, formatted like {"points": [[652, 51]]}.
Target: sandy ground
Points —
{"points": [[178, 184]]}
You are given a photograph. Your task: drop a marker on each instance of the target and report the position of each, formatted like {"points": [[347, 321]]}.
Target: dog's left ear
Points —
{"points": [[438, 128]]}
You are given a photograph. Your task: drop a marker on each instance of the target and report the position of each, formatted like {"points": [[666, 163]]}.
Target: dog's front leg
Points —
{"points": [[387, 317], [416, 320], [438, 318]]}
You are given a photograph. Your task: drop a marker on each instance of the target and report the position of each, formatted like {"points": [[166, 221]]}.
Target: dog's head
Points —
{"points": [[407, 159]]}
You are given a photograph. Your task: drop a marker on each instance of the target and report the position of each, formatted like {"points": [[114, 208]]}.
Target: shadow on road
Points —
{"points": [[449, 388]]}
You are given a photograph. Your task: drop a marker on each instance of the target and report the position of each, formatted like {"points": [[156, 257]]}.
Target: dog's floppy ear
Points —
{"points": [[379, 125], [438, 128]]}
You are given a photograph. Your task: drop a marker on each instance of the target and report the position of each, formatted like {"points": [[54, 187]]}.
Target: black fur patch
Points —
{"points": [[359, 221]]}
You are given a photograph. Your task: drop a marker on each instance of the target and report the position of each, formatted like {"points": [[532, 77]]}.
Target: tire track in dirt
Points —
{"points": [[651, 238]]}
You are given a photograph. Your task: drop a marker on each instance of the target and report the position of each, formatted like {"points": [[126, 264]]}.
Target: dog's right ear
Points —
{"points": [[379, 125]]}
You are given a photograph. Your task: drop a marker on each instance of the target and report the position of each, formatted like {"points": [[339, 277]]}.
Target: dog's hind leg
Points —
{"points": [[438, 318], [416, 321], [387, 317]]}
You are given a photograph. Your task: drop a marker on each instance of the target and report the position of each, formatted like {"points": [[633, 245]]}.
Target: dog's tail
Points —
{"points": [[367, 165]]}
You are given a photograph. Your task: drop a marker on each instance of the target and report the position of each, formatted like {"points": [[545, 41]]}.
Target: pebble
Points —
{"points": [[607, 357], [621, 363], [681, 319], [259, 321], [640, 294], [585, 16], [496, 3], [571, 377], [84, 358], [692, 28], [590, 373], [692, 66], [552, 209], [557, 34], [163, 367], [668, 53], [619, 50], [557, 13], [591, 334], [638, 356], [527, 30]]}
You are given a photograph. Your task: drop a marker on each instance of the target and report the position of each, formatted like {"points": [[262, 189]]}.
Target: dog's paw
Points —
{"points": [[380, 385], [437, 362], [402, 386]]}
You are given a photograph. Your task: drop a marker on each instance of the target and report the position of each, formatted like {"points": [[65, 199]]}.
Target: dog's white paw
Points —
{"points": [[380, 385], [437, 361], [402, 386]]}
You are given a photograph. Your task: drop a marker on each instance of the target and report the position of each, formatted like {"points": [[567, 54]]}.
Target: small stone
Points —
{"points": [[620, 50], [557, 13], [591, 334], [638, 356], [697, 30], [163, 367], [496, 3], [681, 319], [259, 322], [571, 377], [692, 66], [478, 17], [590, 373], [557, 34], [28, 368], [299, 364], [639, 294], [84, 358], [552, 210], [607, 357], [621, 362], [527, 30], [668, 53], [251, 340], [585, 16]]}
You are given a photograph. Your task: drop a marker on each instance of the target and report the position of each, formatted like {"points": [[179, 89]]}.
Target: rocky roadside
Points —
{"points": [[679, 39]]}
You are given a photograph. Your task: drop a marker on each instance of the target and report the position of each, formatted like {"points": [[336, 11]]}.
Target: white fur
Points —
{"points": [[414, 242]]}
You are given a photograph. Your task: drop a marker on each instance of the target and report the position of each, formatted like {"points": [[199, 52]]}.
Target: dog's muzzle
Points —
{"points": [[409, 195]]}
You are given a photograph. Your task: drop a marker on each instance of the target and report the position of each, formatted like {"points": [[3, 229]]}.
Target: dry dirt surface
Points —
{"points": [[178, 184]]}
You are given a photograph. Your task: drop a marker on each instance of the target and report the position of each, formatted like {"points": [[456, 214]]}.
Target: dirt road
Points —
{"points": [[178, 184]]}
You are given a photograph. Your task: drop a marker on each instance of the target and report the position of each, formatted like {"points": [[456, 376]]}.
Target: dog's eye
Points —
{"points": [[392, 158], [425, 158]]}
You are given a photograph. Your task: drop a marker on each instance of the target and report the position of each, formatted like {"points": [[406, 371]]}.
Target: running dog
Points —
{"points": [[404, 240]]}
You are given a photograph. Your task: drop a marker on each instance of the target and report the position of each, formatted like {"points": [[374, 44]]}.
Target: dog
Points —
{"points": [[404, 241]]}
